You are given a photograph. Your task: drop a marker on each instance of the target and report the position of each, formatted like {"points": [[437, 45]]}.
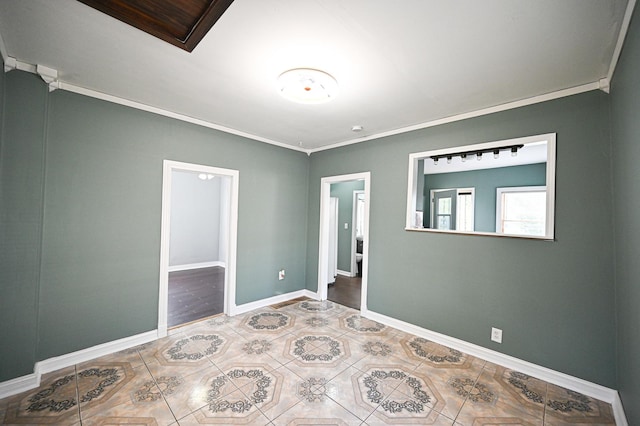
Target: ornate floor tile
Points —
{"points": [[316, 355], [231, 409], [258, 350], [137, 397], [273, 323], [193, 351], [493, 395], [186, 394], [317, 349], [315, 306], [54, 402], [435, 354], [307, 363], [277, 398], [325, 412], [455, 384], [397, 395], [398, 408], [564, 407], [359, 326]]}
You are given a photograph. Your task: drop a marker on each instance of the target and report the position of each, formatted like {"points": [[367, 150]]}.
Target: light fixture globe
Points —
{"points": [[307, 86]]}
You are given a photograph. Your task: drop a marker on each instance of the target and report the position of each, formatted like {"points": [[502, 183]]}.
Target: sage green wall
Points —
{"points": [[625, 93], [344, 192], [21, 183], [485, 183], [554, 300], [102, 207]]}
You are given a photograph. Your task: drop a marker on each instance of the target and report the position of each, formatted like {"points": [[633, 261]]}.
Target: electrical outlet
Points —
{"points": [[496, 335], [281, 274]]}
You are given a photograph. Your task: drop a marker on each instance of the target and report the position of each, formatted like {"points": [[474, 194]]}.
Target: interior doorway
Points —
{"points": [[348, 278], [199, 233]]}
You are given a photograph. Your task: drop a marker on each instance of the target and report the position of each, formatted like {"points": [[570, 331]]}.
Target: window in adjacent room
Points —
{"points": [[521, 210]]}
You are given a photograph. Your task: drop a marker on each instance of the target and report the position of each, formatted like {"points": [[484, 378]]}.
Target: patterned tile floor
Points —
{"points": [[310, 363]]}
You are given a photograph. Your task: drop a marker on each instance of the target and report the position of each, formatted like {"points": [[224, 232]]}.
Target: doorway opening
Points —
{"points": [[198, 240], [344, 239]]}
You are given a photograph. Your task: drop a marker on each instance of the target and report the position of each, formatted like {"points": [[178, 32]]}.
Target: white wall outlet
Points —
{"points": [[496, 335], [346, 225], [281, 274]]}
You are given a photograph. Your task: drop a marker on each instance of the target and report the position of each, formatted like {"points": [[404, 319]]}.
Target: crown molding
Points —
{"points": [[597, 85], [624, 28]]}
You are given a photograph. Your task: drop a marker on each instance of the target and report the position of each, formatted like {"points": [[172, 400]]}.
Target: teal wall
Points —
{"points": [[625, 91], [485, 183], [22, 161], [554, 300], [87, 271], [344, 192]]}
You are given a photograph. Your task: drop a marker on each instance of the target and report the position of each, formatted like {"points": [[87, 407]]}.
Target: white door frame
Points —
{"points": [[230, 272], [354, 220], [323, 253]]}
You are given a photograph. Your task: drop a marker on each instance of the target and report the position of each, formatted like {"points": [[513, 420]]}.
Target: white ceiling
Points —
{"points": [[399, 64]]}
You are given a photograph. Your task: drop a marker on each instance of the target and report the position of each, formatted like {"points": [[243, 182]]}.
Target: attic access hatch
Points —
{"points": [[183, 23]]}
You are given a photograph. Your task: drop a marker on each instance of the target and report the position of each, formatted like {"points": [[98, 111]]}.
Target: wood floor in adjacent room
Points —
{"points": [[195, 294], [346, 291]]}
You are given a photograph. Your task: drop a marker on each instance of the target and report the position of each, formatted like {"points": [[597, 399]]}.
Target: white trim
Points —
{"points": [[344, 273], [230, 273], [354, 222], [31, 381], [624, 28], [618, 411], [166, 113], [190, 266], [263, 303], [3, 50], [507, 189], [323, 237], [555, 377], [477, 113], [19, 385]]}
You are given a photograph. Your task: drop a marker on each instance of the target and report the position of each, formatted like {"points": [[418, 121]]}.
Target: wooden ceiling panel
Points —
{"points": [[182, 23]]}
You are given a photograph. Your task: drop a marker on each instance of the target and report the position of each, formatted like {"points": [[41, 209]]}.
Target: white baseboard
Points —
{"points": [[259, 304], [345, 273], [200, 265], [555, 377], [19, 384], [31, 381]]}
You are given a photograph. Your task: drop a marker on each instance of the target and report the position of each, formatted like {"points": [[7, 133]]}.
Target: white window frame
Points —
{"points": [[503, 190]]}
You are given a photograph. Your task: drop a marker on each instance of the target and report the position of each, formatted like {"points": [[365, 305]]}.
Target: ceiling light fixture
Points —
{"points": [[356, 128], [307, 86]]}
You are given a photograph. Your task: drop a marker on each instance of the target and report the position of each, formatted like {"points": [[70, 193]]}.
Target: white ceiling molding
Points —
{"points": [[498, 108], [621, 37], [3, 50], [137, 105], [49, 75]]}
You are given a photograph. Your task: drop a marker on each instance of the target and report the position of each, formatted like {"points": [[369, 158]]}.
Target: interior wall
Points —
{"points": [[553, 300], [100, 167], [344, 192], [195, 219], [22, 162], [625, 93]]}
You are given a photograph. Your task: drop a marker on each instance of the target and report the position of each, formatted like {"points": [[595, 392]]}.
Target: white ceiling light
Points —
{"points": [[307, 86]]}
